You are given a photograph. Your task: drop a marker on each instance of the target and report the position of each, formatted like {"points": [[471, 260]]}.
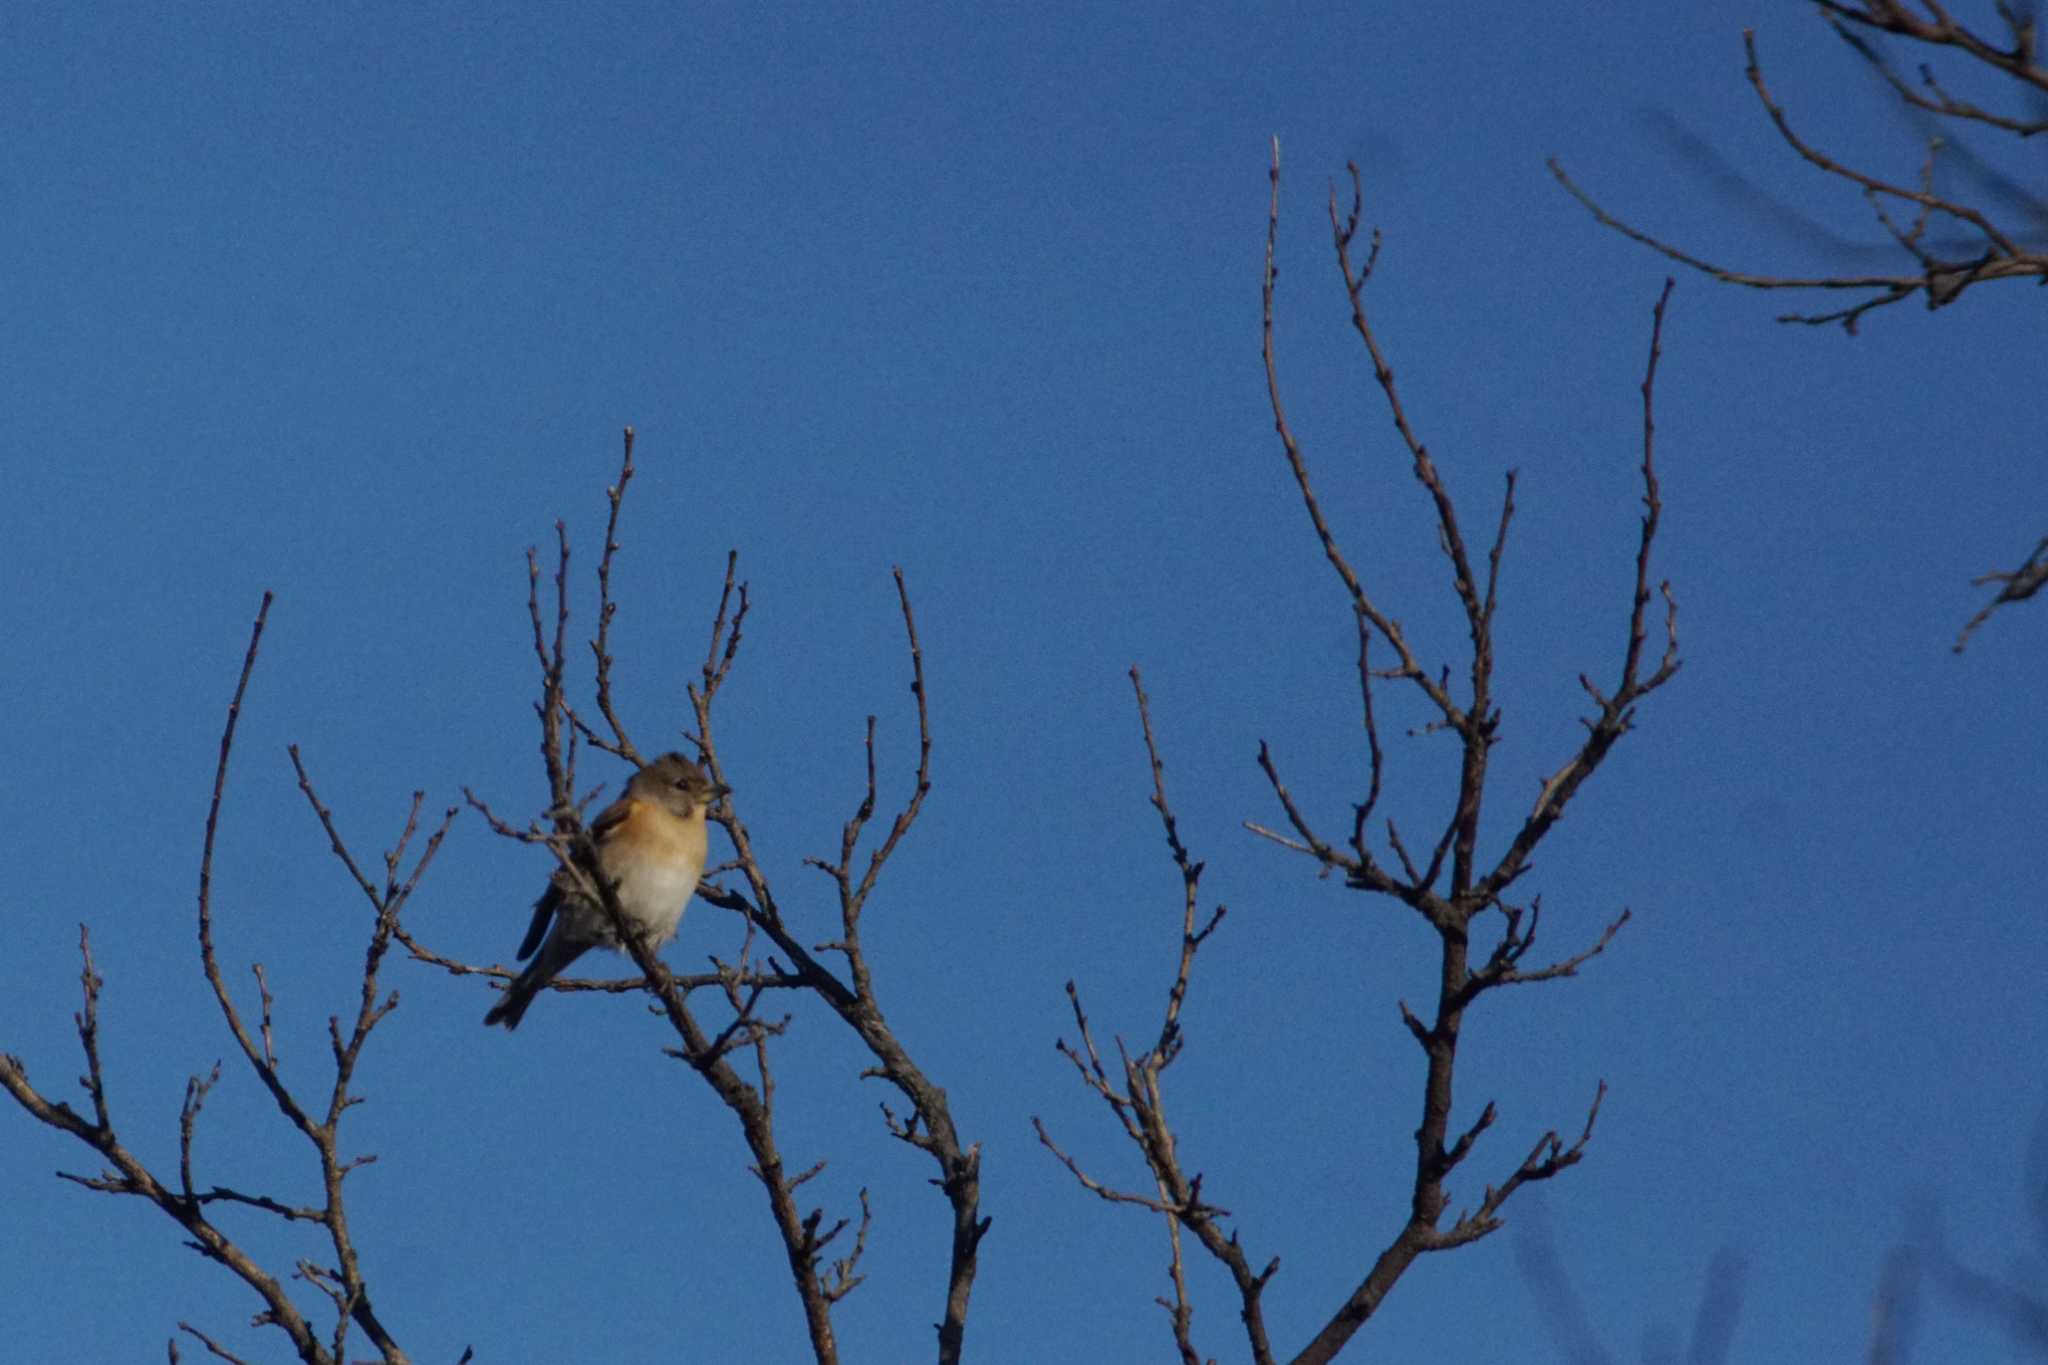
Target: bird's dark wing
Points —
{"points": [[560, 887], [543, 911]]}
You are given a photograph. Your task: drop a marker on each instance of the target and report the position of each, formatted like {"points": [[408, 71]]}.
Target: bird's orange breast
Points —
{"points": [[645, 830]]}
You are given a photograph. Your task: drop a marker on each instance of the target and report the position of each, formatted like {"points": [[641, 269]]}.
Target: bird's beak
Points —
{"points": [[719, 789]]}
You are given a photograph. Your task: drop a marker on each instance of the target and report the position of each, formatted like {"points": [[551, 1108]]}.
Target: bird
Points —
{"points": [[651, 844]]}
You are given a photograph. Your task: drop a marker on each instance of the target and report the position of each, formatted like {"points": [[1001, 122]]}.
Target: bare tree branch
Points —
{"points": [[1451, 887], [344, 1284], [2019, 585], [2002, 224], [600, 648], [1137, 1098], [1940, 270]]}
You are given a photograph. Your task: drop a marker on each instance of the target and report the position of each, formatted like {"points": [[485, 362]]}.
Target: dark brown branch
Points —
{"points": [[1822, 161], [842, 1278], [1375, 757], [1941, 102], [929, 1124], [718, 661], [600, 648], [1616, 711], [1179, 1310], [1501, 969], [187, 1204], [1547, 1159], [2020, 60], [1451, 540], [1191, 938], [1453, 863], [1137, 1099], [2019, 585], [1310, 843], [1093, 1186], [213, 1348], [853, 895], [553, 705], [1941, 271], [1889, 288], [1361, 602], [350, 1290]]}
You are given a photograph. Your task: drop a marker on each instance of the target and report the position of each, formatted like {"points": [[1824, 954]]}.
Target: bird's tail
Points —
{"points": [[550, 962]]}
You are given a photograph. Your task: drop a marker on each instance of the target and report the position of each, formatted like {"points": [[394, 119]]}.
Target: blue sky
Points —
{"points": [[352, 302]]}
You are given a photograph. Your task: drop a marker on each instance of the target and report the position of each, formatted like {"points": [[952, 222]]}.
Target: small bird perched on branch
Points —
{"points": [[651, 844]]}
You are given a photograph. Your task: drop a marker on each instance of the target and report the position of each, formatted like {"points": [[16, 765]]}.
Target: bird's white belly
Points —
{"points": [[654, 892]]}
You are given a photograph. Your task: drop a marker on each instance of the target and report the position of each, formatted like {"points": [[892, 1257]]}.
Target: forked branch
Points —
{"points": [[341, 1280], [1136, 1096], [1451, 888], [1940, 266]]}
